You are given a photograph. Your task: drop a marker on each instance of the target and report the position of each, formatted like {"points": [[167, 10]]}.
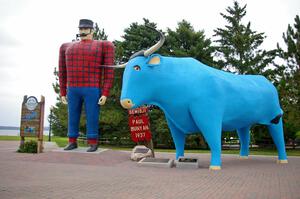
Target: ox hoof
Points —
{"points": [[243, 157], [215, 168], [282, 161]]}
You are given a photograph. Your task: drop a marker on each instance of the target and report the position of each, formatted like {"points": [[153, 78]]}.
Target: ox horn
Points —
{"points": [[156, 46], [115, 66], [120, 65]]}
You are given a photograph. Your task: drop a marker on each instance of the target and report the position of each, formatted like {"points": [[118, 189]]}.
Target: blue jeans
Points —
{"points": [[76, 97]]}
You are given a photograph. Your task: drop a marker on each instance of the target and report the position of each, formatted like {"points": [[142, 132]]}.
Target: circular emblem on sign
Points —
{"points": [[31, 103]]}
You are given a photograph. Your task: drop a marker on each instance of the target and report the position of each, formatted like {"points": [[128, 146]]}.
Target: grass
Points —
{"points": [[256, 151], [63, 141], [58, 140]]}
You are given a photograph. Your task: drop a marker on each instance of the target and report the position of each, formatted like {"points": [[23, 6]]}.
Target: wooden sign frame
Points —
{"points": [[32, 120]]}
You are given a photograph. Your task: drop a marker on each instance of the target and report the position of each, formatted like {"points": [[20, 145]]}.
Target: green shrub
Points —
{"points": [[28, 147], [298, 135]]}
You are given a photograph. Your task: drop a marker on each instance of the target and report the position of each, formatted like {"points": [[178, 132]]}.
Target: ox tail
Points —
{"points": [[276, 119]]}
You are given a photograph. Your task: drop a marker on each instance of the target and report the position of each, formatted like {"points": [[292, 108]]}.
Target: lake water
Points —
{"points": [[15, 132]]}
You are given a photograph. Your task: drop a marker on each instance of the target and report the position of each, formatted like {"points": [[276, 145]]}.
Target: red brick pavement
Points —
{"points": [[111, 174]]}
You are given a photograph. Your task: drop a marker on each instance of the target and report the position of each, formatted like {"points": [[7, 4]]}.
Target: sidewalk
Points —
{"points": [[111, 174]]}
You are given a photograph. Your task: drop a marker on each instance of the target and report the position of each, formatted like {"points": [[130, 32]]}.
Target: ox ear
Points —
{"points": [[154, 60]]}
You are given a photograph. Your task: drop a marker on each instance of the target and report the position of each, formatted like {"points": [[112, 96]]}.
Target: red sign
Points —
{"points": [[139, 125]]}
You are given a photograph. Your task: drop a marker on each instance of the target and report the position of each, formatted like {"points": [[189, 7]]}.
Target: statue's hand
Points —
{"points": [[102, 100], [64, 100]]}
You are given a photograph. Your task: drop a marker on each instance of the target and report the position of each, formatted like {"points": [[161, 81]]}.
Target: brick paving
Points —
{"points": [[111, 174]]}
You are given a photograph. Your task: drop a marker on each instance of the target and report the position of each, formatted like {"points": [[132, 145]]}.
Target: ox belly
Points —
{"points": [[248, 113], [179, 117], [248, 100]]}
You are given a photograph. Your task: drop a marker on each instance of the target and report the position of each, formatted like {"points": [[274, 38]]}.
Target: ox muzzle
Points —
{"points": [[127, 103]]}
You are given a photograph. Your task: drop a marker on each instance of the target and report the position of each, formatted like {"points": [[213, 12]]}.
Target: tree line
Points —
{"points": [[236, 47]]}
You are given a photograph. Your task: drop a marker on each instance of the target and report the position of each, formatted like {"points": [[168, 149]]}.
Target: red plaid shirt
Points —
{"points": [[80, 65]]}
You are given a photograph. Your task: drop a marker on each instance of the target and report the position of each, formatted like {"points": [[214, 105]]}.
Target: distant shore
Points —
{"points": [[46, 128], [15, 131]]}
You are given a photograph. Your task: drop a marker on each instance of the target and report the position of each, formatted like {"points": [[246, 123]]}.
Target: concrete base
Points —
{"points": [[282, 161], [139, 152], [214, 168], [50, 146], [187, 163], [156, 162], [80, 150], [244, 157]]}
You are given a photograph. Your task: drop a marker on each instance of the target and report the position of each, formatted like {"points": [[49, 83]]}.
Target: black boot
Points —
{"points": [[93, 148], [71, 146]]}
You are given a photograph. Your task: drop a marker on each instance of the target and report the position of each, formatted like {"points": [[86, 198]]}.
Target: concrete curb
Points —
{"points": [[156, 162]]}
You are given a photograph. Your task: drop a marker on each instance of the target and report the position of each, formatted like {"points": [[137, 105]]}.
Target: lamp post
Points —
{"points": [[50, 123]]}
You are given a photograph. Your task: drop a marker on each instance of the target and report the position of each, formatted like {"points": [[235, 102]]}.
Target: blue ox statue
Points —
{"points": [[196, 97]]}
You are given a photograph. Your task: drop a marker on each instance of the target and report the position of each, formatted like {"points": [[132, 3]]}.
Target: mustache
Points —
{"points": [[81, 35]]}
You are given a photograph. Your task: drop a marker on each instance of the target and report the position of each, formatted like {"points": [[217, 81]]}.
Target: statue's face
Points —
{"points": [[89, 33]]}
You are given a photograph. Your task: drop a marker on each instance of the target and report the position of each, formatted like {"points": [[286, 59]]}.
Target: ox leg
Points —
{"points": [[209, 123], [212, 135], [244, 136], [178, 138], [276, 131]]}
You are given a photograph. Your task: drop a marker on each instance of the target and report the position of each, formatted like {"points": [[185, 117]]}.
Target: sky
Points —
{"points": [[31, 32]]}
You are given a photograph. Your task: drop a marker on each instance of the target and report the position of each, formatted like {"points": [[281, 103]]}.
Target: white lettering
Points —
{"points": [[135, 128], [145, 127], [140, 135], [139, 121]]}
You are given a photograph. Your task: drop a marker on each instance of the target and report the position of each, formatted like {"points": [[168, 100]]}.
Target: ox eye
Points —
{"points": [[137, 68]]}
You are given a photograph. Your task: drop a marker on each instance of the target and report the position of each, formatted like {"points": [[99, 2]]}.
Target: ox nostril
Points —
{"points": [[127, 103]]}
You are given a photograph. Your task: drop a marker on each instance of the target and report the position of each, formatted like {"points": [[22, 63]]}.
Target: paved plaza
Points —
{"points": [[111, 174]]}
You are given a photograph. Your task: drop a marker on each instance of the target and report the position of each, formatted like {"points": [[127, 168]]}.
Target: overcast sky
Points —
{"points": [[31, 32]]}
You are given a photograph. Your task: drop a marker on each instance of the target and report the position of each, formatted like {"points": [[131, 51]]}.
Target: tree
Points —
{"points": [[289, 84], [136, 37], [238, 45], [99, 34], [186, 42]]}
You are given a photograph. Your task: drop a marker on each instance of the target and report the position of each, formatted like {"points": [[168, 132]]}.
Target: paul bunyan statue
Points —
{"points": [[83, 80], [199, 98]]}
